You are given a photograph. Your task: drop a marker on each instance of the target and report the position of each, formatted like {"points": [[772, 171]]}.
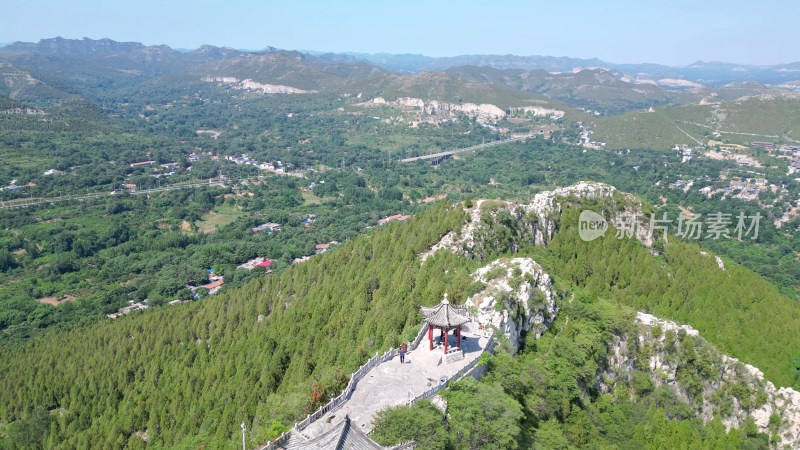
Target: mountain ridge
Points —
{"points": [[712, 73]]}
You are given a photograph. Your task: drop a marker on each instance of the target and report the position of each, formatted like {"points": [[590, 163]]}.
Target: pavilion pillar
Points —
{"points": [[430, 335], [445, 340], [458, 334]]}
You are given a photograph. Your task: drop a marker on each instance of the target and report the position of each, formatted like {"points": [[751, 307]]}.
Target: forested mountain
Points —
{"points": [[92, 66], [24, 86], [420, 63], [205, 238], [157, 378], [288, 68], [297, 70]]}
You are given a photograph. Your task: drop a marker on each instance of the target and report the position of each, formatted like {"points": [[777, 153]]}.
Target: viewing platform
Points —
{"points": [[392, 384]]}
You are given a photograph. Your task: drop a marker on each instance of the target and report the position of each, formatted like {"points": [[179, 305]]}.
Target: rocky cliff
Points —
{"points": [[517, 298], [250, 85], [539, 111], [537, 221], [711, 383], [483, 111]]}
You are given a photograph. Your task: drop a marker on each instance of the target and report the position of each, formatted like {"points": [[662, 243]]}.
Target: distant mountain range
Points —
{"points": [[712, 73], [706, 73], [57, 67]]}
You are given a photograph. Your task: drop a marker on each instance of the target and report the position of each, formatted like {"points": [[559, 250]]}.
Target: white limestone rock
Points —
{"points": [[250, 85], [539, 111], [663, 364], [720, 264], [537, 220], [518, 297], [483, 112], [548, 211]]}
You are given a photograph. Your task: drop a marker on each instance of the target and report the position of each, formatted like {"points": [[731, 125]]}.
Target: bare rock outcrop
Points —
{"points": [[712, 383], [720, 264], [537, 221], [483, 111], [250, 85], [518, 298], [547, 209], [539, 111]]}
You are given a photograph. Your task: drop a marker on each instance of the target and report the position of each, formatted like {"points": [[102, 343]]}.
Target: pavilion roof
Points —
{"points": [[344, 436], [445, 315]]}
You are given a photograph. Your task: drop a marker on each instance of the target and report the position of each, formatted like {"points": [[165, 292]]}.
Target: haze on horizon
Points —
{"points": [[674, 33]]}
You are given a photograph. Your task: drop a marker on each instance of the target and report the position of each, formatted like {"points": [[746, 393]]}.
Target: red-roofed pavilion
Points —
{"points": [[445, 317]]}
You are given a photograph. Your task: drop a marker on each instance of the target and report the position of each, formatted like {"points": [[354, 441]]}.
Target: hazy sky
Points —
{"points": [[675, 32]]}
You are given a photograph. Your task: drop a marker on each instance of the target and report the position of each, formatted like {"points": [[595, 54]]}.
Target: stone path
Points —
{"points": [[391, 383]]}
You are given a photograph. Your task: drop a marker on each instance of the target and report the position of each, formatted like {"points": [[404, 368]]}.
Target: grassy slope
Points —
{"points": [[642, 129], [639, 129], [755, 115]]}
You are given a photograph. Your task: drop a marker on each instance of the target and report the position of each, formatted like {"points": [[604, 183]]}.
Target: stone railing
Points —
{"points": [[420, 336], [443, 384], [356, 376], [336, 402]]}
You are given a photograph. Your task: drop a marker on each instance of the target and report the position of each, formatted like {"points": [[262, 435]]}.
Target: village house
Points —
{"points": [[214, 286], [255, 262], [398, 217], [132, 306], [764, 145], [322, 248], [271, 227], [795, 167]]}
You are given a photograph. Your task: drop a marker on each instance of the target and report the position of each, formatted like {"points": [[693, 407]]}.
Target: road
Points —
{"points": [[25, 202], [447, 154]]}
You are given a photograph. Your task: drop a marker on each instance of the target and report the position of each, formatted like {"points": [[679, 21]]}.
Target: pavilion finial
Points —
{"points": [[445, 301]]}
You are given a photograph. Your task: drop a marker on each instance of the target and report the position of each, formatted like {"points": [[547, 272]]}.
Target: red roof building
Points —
{"points": [[214, 284], [399, 217]]}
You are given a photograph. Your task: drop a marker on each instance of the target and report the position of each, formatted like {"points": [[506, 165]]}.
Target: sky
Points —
{"points": [[676, 32]]}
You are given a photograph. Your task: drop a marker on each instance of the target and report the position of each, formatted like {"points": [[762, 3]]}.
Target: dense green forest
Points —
{"points": [[734, 308], [162, 371], [157, 371]]}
